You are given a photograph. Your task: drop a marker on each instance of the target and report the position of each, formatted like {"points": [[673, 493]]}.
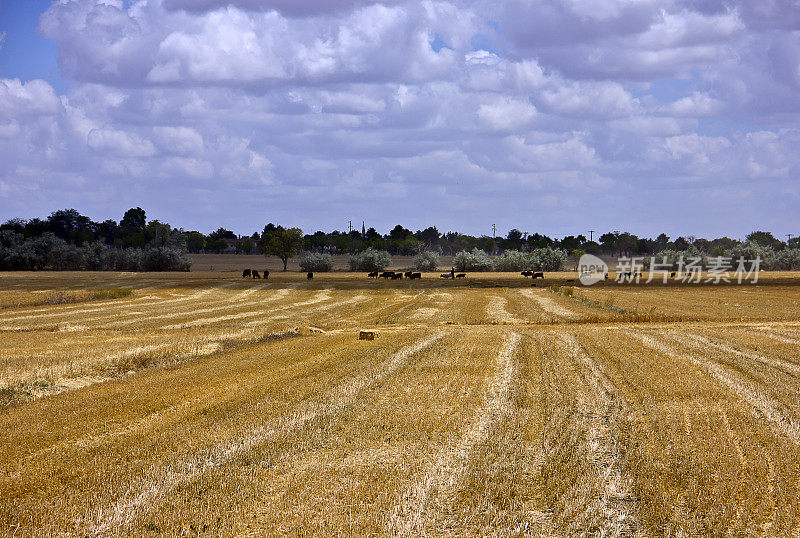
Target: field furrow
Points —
{"points": [[783, 421], [417, 511], [549, 305], [207, 404]]}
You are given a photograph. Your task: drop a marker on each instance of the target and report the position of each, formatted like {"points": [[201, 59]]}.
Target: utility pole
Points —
{"points": [[494, 231], [350, 224], [590, 235]]}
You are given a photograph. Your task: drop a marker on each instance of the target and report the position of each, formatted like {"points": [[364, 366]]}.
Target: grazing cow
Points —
{"points": [[461, 275], [387, 275], [445, 275], [310, 275], [266, 273], [246, 273], [373, 274], [397, 276], [538, 275], [415, 275], [408, 274], [527, 273], [255, 274]]}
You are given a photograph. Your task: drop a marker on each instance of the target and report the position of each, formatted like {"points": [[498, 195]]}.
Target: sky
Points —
{"points": [[550, 116]]}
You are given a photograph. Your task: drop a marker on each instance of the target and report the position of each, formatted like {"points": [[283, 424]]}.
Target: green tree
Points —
{"points": [[398, 232], [609, 241], [195, 241], [765, 239], [134, 219], [248, 245], [429, 236], [681, 244], [222, 233], [68, 224], [131, 228], [281, 242]]}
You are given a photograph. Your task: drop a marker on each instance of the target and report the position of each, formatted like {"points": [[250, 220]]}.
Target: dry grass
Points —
{"points": [[208, 404]]}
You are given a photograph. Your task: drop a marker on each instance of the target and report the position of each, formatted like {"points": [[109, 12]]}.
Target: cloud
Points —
{"points": [[399, 110], [696, 105], [291, 8], [588, 99], [119, 143], [178, 140], [33, 98], [507, 114]]}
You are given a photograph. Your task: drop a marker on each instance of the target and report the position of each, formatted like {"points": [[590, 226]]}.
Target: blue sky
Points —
{"points": [[24, 53], [551, 116]]}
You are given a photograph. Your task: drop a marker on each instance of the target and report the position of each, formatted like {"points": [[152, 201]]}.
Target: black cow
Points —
{"points": [[397, 276], [445, 275], [310, 275], [373, 274], [461, 275], [255, 274], [387, 275], [672, 274], [527, 273], [266, 273], [415, 275], [408, 274], [246, 273], [538, 275]]}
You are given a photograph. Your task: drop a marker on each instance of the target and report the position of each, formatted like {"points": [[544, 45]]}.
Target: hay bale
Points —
{"points": [[367, 335]]}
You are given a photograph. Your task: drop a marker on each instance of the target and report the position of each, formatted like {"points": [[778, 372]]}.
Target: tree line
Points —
{"points": [[68, 240]]}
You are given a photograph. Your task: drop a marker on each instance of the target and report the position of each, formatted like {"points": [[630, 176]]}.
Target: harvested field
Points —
{"points": [[203, 403]]}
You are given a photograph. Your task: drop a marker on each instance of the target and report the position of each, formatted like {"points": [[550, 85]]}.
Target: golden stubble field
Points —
{"points": [[202, 403]]}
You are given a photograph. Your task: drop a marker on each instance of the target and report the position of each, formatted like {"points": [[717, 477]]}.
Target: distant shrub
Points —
{"points": [[317, 262], [511, 260], [165, 259], [50, 252], [426, 261], [751, 250], [547, 259], [476, 260], [788, 259], [370, 260]]}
